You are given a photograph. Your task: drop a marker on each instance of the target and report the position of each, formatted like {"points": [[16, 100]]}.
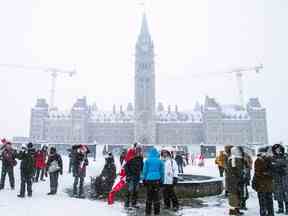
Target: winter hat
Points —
{"points": [[30, 145], [23, 146], [236, 152], [278, 149], [83, 149], [52, 150], [109, 158], [227, 148], [167, 151], [44, 147], [4, 141], [130, 154]]}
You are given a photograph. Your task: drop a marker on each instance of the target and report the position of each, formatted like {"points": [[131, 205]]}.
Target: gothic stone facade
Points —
{"points": [[210, 123]]}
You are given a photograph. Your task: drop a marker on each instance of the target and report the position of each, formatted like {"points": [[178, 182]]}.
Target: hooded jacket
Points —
{"points": [[170, 170], [153, 169]]}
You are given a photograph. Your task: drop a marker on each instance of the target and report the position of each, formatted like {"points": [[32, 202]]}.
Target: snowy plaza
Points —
{"points": [[63, 204]]}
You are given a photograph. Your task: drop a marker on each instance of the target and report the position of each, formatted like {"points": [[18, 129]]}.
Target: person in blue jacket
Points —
{"points": [[153, 176]]}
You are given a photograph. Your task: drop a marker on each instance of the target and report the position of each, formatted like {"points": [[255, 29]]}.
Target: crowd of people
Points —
{"points": [[270, 179], [38, 164], [157, 173]]}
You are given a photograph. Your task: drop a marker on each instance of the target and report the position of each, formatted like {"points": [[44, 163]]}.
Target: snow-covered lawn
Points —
{"points": [[63, 205]]}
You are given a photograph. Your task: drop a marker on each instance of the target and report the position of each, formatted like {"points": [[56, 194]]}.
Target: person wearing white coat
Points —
{"points": [[170, 180]]}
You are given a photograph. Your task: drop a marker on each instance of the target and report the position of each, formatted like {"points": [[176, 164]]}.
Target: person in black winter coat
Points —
{"points": [[280, 177], [133, 169], [8, 156], [80, 162], [179, 160], [105, 181], [26, 155], [54, 167]]}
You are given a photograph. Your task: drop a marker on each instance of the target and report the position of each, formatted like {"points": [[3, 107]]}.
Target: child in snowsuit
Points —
{"points": [[153, 176], [54, 168], [133, 169], [8, 156], [105, 181], [26, 155], [80, 163], [40, 163], [170, 180]]}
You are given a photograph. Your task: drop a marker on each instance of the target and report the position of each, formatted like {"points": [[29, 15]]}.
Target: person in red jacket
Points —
{"points": [[40, 163]]}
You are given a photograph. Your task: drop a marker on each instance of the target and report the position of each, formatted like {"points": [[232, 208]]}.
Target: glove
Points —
{"points": [[61, 172], [46, 174], [175, 181]]}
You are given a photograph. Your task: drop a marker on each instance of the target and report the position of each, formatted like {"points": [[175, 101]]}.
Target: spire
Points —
{"points": [[144, 26]]}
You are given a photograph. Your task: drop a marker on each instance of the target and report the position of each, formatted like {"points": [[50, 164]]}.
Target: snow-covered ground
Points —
{"points": [[63, 205]]}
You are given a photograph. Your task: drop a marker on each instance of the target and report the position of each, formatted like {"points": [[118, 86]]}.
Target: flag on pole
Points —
{"points": [[120, 184]]}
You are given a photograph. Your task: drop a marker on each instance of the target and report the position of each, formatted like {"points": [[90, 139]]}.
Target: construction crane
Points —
{"points": [[239, 72], [54, 72], [239, 77]]}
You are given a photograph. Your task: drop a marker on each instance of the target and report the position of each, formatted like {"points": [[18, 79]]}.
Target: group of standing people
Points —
{"points": [[236, 164], [32, 163], [270, 179], [159, 170]]}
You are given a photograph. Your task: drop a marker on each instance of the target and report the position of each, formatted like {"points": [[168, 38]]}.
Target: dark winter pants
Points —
{"points": [[54, 181], [266, 204], [103, 187], [221, 171], [169, 195], [180, 167], [132, 191], [10, 171], [152, 197], [244, 195], [76, 182], [26, 181], [70, 166], [38, 171]]}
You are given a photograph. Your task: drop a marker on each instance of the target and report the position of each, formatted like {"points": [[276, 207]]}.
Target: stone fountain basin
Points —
{"points": [[194, 186], [188, 187]]}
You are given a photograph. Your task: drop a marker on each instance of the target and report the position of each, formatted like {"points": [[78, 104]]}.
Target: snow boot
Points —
{"points": [[21, 195], [233, 212], [239, 212], [280, 208], [280, 211]]}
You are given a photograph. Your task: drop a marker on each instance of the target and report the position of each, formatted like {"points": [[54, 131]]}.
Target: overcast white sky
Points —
{"points": [[98, 36]]}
